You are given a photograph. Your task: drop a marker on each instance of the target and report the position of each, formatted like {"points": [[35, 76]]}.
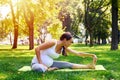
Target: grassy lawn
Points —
{"points": [[12, 60]]}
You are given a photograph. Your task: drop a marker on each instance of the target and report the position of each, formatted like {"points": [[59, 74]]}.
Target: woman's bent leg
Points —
{"points": [[38, 67]]}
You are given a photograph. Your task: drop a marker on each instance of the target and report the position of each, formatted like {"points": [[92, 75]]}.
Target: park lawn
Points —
{"points": [[12, 60]]}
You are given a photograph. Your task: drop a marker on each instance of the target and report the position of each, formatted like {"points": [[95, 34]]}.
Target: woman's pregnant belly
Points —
{"points": [[48, 61]]}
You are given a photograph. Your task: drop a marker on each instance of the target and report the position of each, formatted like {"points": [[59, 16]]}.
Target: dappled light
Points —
{"points": [[3, 76], [20, 52]]}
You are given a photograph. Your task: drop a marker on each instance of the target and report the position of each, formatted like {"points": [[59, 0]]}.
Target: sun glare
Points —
{"points": [[4, 10], [14, 1]]}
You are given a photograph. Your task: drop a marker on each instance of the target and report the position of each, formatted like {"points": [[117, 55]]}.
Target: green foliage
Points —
{"points": [[5, 28], [47, 10], [76, 11], [45, 15], [74, 8], [3, 2], [43, 10], [119, 14], [77, 19], [55, 29], [102, 30], [97, 19]]}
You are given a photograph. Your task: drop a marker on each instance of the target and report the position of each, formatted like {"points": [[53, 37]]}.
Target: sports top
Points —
{"points": [[47, 56]]}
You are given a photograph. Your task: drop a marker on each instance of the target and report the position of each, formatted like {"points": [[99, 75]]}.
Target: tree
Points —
{"points": [[71, 15], [94, 12], [56, 29], [102, 31], [48, 17], [29, 13], [65, 19], [119, 21], [114, 44], [3, 29], [29, 18]]}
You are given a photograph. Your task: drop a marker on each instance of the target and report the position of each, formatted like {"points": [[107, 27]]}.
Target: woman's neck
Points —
{"points": [[59, 46], [60, 43]]}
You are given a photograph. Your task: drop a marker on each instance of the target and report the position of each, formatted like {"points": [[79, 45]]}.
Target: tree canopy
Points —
{"points": [[27, 18]]}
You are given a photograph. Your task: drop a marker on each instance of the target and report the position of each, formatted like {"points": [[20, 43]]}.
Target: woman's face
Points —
{"points": [[67, 43]]}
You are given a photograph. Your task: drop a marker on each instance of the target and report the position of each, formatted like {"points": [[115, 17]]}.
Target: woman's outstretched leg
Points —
{"points": [[81, 66], [63, 64]]}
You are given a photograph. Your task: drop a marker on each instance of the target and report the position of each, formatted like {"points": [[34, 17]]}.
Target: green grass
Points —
{"points": [[12, 60]]}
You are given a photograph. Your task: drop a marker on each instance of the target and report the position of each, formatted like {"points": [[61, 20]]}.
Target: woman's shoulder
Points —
{"points": [[47, 44], [51, 42]]}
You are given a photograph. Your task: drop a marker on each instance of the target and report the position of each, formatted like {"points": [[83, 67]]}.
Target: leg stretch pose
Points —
{"points": [[48, 51], [61, 65]]}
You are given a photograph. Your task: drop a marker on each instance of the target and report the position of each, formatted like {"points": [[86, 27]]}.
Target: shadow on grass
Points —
{"points": [[16, 52], [13, 49]]}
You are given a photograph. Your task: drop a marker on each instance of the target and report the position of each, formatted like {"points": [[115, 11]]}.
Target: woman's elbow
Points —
{"points": [[36, 49]]}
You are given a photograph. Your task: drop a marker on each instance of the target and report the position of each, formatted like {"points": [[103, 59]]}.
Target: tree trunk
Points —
{"points": [[15, 27], [114, 44], [104, 41], [31, 37], [29, 21], [10, 38], [91, 39], [15, 36], [98, 39], [118, 36], [86, 38], [67, 22]]}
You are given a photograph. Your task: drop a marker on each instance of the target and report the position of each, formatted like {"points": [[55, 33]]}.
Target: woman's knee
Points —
{"points": [[39, 68]]}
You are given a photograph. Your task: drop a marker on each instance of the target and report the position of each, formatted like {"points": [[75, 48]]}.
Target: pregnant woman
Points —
{"points": [[48, 51]]}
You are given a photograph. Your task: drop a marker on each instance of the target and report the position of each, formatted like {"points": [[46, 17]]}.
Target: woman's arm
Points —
{"points": [[43, 47], [83, 54]]}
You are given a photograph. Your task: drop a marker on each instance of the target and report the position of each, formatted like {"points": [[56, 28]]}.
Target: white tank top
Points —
{"points": [[47, 56]]}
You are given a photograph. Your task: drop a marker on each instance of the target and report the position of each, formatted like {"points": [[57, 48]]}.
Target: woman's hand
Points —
{"points": [[45, 67], [94, 59]]}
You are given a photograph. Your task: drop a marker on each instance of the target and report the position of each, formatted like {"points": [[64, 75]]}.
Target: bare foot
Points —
{"points": [[91, 66], [52, 68], [94, 59]]}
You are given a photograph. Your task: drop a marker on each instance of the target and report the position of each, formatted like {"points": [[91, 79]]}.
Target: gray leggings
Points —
{"points": [[62, 64], [58, 64]]}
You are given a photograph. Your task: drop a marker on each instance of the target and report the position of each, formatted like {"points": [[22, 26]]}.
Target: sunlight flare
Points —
{"points": [[4, 10]]}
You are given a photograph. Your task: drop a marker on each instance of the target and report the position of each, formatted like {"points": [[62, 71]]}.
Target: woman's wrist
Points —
{"points": [[91, 55]]}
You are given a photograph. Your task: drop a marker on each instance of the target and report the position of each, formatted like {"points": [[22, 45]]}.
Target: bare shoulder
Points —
{"points": [[47, 44], [50, 43]]}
